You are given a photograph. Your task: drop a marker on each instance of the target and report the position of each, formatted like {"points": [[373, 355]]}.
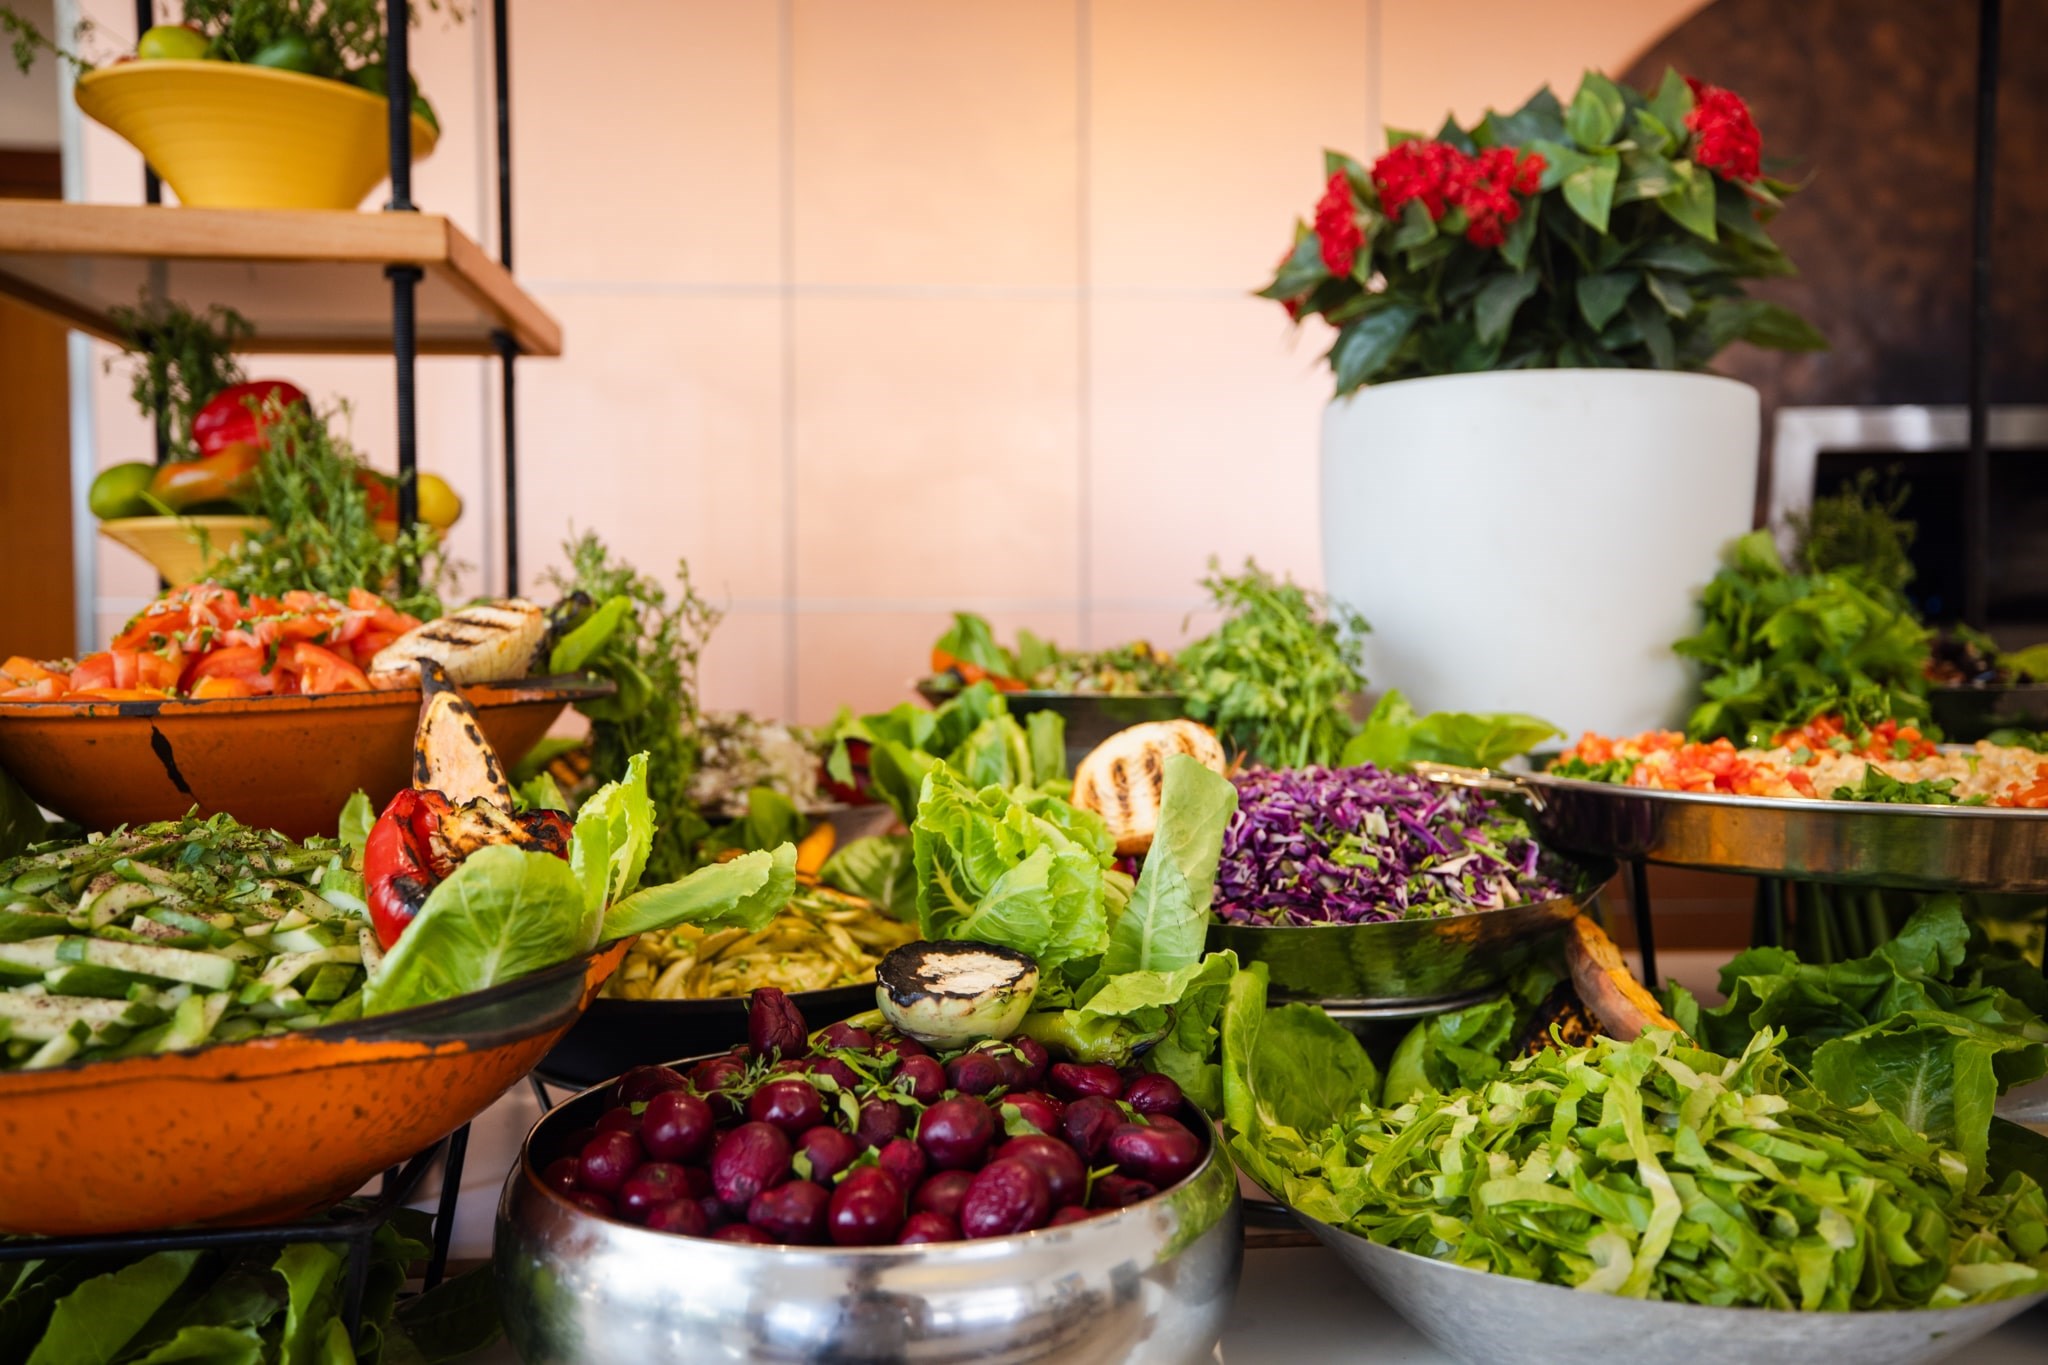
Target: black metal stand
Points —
{"points": [[1646, 928], [354, 1230], [1977, 469]]}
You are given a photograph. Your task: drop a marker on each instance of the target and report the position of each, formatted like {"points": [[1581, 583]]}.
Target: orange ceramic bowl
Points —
{"points": [[268, 1129], [282, 763]]}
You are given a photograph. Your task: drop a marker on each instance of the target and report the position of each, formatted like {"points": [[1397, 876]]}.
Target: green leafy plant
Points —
{"points": [[1859, 529], [649, 645], [1276, 677], [1394, 736], [1613, 232], [1778, 648], [323, 533], [180, 360]]}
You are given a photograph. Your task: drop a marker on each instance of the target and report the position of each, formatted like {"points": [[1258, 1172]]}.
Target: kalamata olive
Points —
{"points": [[793, 1212], [1036, 1059], [922, 1078], [681, 1216], [829, 1151], [943, 1193], [1035, 1109], [1006, 1197], [1072, 1213], [881, 1121], [748, 1160], [1088, 1122], [678, 1126], [1153, 1093], [790, 1104], [775, 1027], [1156, 1153], [607, 1160], [843, 1075], [1066, 1175], [643, 1083], [619, 1120], [1119, 1191], [921, 1228], [1072, 1080], [974, 1073], [655, 1182], [955, 1132], [743, 1232], [560, 1175], [845, 1035], [866, 1209], [593, 1202], [903, 1159]]}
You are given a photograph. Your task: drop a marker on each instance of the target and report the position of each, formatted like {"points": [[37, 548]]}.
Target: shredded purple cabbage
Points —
{"points": [[1363, 845]]}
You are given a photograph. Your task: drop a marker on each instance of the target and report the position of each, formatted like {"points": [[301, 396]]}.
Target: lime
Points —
{"points": [[171, 43], [289, 53], [117, 492]]}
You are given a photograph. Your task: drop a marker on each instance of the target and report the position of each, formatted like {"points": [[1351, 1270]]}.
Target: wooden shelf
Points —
{"points": [[309, 281]]}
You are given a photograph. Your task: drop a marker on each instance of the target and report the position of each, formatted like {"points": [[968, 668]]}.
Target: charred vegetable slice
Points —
{"points": [[952, 992]]}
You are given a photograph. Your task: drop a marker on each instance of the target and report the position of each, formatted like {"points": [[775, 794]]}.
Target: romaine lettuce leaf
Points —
{"points": [[1169, 1017], [614, 831], [357, 815], [1167, 920], [745, 892], [988, 868], [503, 913], [879, 869], [1395, 736]]}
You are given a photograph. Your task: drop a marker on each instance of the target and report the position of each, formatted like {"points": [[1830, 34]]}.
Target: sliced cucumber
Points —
{"points": [[313, 938], [103, 982], [331, 983], [193, 1022], [287, 968], [207, 970], [39, 1018], [118, 902], [38, 953], [17, 925], [57, 1050]]}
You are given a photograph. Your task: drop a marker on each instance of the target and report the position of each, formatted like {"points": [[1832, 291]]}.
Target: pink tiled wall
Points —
{"points": [[879, 308]]}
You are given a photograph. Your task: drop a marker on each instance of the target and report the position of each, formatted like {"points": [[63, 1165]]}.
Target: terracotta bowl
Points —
{"points": [[268, 1129], [283, 763]]}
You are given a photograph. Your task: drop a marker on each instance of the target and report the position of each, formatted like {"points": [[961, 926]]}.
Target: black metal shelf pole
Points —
{"points": [[1977, 469], [1645, 920], [501, 340], [404, 278]]}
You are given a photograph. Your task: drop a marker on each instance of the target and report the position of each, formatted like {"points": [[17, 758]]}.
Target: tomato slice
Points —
{"points": [[314, 669], [244, 663], [21, 670], [209, 688]]}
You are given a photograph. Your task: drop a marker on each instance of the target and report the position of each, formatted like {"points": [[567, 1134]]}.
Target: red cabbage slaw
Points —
{"points": [[1362, 845]]}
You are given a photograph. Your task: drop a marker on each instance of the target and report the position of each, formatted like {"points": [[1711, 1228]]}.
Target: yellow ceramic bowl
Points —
{"points": [[228, 135], [172, 544]]}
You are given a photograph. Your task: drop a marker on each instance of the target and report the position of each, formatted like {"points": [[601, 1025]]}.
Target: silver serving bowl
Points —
{"points": [[1406, 962], [1485, 1318], [1150, 1283]]}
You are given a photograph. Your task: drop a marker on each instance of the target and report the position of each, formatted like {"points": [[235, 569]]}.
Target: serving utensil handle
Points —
{"points": [[1480, 779]]}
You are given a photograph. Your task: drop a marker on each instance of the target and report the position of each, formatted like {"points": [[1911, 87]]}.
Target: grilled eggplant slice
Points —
{"points": [[488, 642], [450, 754], [1123, 779]]}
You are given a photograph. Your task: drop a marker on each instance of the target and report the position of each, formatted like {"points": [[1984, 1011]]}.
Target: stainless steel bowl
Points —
{"points": [[1406, 962], [1151, 1283], [1485, 1318]]}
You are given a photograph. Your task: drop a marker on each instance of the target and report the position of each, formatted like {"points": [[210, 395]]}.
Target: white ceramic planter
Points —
{"points": [[1534, 540]]}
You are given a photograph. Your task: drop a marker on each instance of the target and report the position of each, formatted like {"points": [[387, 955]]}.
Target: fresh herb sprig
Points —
{"points": [[323, 534], [1275, 678], [1859, 530], [652, 656], [181, 359]]}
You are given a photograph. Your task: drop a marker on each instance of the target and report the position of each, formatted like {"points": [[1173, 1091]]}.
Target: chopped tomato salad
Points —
{"points": [[207, 641], [1816, 759]]}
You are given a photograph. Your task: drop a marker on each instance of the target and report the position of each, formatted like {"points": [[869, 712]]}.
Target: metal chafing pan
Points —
{"points": [[1920, 848]]}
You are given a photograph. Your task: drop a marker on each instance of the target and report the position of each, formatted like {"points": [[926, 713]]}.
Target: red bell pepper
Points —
{"points": [[415, 845], [236, 416], [225, 475]]}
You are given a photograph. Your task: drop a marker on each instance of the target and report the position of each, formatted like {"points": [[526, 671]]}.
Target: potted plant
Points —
{"points": [[1526, 470]]}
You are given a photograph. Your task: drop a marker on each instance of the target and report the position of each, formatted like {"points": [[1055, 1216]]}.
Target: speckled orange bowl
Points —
{"points": [[264, 1130], [282, 763]]}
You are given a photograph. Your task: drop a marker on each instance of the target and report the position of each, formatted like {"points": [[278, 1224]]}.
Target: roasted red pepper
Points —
{"points": [[237, 414], [422, 838], [224, 476]]}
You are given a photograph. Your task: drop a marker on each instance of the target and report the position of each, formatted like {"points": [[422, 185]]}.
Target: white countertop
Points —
{"points": [[1295, 1306]]}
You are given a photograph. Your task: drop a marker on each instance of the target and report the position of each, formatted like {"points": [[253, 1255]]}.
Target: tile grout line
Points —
{"points": [[786, 38], [1084, 315]]}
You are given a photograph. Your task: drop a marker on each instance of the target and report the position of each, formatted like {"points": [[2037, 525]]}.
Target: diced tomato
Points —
{"points": [[244, 663], [207, 689], [22, 671], [42, 689], [112, 694], [94, 670], [314, 669]]}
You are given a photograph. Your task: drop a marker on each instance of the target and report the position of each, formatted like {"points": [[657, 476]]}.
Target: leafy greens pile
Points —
{"points": [[1649, 1169], [1395, 736], [969, 648], [1780, 647], [271, 1305], [1928, 1028], [1275, 678], [1123, 971]]}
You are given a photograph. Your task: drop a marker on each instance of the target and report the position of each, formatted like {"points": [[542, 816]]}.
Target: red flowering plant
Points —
{"points": [[1615, 233]]}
